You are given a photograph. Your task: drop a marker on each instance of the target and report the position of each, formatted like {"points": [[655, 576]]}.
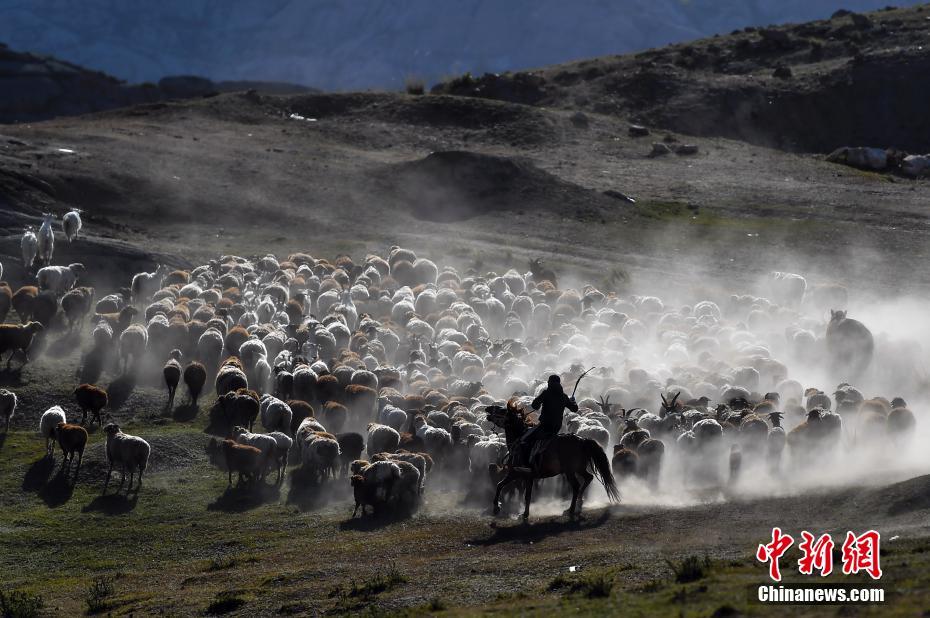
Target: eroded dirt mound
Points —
{"points": [[456, 185], [850, 80]]}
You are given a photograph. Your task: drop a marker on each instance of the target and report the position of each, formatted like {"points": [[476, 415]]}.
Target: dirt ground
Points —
{"points": [[485, 184]]}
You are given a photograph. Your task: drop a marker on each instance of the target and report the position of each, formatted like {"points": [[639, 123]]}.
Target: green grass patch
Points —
{"points": [[690, 569], [99, 594], [594, 585]]}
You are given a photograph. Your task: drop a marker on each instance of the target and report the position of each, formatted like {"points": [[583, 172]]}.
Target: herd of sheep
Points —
{"points": [[396, 359]]}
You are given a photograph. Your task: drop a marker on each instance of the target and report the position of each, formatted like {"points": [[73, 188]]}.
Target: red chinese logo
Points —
{"points": [[860, 553], [771, 552], [817, 554]]}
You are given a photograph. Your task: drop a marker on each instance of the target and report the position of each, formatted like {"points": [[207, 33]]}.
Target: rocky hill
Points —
{"points": [[854, 79]]}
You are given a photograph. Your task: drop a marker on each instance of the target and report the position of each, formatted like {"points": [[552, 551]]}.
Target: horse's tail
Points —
{"points": [[597, 458]]}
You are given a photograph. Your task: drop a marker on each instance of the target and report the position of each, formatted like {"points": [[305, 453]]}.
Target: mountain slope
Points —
{"points": [[851, 80], [371, 44]]}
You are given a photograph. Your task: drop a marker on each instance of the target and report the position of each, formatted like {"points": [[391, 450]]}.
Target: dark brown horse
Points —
{"points": [[566, 454]]}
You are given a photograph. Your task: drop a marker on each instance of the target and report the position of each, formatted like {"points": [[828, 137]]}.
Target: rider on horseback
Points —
{"points": [[553, 401]]}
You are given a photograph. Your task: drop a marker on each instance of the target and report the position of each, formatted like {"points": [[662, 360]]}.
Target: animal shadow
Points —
{"points": [[92, 366], [63, 344], [308, 493], [240, 498], [186, 412], [12, 376], [38, 473], [59, 489], [112, 504], [120, 389], [537, 531]]}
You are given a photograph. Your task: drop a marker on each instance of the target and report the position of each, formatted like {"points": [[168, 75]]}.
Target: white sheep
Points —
{"points": [[47, 424], [59, 279], [46, 240], [382, 439], [8, 403], [144, 285], [276, 415], [283, 449], [132, 344], [263, 442], [319, 454], [29, 245], [71, 224], [128, 451]]}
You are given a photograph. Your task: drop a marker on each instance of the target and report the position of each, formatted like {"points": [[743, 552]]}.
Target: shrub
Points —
{"points": [[690, 569], [414, 85], [592, 585], [98, 594], [20, 604]]}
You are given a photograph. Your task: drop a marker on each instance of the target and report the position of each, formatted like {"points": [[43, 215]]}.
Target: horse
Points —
{"points": [[566, 454]]}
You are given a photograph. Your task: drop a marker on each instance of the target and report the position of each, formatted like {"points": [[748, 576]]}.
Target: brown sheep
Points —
{"points": [[18, 337], [900, 424], [118, 321], [6, 300], [300, 410], [333, 416], [76, 305], [172, 373], [23, 302], [72, 439], [239, 458], [93, 398], [361, 402], [624, 462], [195, 376], [236, 336], [45, 308]]}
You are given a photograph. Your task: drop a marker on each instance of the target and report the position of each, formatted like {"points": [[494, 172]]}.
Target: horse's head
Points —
{"points": [[511, 416]]}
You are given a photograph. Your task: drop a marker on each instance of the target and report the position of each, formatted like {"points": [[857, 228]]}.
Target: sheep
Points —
{"points": [[239, 407], [132, 345], [144, 284], [405, 493], [45, 243], [76, 305], [437, 441], [23, 302], [351, 445], [276, 415], [382, 439], [59, 279], [334, 415], [128, 451], [284, 444], [29, 246], [415, 459], [8, 403], [172, 374], [118, 321], [195, 376], [240, 458], [16, 337], [900, 423], [93, 398], [230, 377], [72, 439], [373, 484], [265, 443], [320, 455], [48, 423], [71, 224]]}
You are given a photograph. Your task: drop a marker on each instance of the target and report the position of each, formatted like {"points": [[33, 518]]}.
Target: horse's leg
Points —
{"points": [[573, 481], [527, 497], [586, 477], [497, 495]]}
